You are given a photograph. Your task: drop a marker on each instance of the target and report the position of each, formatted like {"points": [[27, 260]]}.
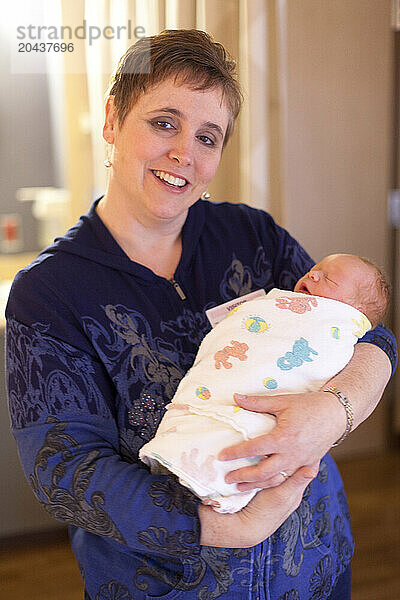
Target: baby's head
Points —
{"points": [[350, 279]]}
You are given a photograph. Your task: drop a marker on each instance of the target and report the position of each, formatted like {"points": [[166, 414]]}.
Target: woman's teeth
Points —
{"points": [[176, 181]]}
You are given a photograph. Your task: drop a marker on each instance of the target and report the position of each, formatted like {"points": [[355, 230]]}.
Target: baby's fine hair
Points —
{"points": [[375, 299]]}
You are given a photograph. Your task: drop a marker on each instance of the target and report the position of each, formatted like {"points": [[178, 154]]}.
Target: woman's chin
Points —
{"points": [[168, 209]]}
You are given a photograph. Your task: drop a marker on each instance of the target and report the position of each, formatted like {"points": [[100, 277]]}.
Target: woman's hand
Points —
{"points": [[307, 426], [259, 519]]}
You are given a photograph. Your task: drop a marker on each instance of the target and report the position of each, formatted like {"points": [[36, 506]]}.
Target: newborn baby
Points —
{"points": [[279, 343]]}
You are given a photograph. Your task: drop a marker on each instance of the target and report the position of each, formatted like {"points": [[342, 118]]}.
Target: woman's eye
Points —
{"points": [[162, 124], [206, 140]]}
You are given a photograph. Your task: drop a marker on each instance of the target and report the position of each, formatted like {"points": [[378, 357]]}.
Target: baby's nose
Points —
{"points": [[315, 275]]}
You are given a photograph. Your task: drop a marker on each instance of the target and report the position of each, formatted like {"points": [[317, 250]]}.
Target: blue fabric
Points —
{"points": [[96, 346], [342, 589]]}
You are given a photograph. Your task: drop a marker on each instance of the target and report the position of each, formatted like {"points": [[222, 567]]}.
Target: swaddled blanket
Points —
{"points": [[280, 343]]}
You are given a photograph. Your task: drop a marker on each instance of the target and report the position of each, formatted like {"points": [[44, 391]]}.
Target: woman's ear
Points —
{"points": [[110, 121]]}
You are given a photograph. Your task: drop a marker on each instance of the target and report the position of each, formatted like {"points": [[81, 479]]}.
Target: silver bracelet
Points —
{"points": [[349, 412]]}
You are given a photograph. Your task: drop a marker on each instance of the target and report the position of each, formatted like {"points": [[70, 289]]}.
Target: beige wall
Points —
{"points": [[221, 20], [338, 124], [337, 138]]}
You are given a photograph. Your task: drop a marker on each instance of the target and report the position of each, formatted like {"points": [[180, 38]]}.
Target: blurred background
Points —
{"points": [[317, 145]]}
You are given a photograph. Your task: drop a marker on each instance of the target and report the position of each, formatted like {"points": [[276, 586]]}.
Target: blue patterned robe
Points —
{"points": [[96, 346]]}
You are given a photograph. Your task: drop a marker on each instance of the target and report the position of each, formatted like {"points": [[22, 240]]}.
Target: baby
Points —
{"points": [[350, 279], [279, 343]]}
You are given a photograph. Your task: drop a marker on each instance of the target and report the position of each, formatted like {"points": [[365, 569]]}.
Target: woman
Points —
{"points": [[103, 325]]}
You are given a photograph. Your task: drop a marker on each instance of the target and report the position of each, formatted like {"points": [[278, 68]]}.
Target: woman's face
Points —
{"points": [[166, 152]]}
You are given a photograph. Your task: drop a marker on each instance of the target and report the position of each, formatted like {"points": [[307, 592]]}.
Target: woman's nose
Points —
{"points": [[182, 152]]}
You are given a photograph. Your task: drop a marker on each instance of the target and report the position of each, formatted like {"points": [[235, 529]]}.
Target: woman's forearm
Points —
{"points": [[259, 519], [363, 381], [222, 531]]}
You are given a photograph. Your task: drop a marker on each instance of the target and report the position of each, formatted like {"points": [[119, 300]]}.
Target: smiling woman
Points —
{"points": [[154, 182], [104, 324], [183, 113]]}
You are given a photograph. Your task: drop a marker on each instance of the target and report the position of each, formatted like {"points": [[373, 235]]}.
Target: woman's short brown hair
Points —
{"points": [[189, 55]]}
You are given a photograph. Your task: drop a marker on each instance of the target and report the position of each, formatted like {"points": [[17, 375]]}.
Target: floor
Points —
{"points": [[373, 487], [47, 571]]}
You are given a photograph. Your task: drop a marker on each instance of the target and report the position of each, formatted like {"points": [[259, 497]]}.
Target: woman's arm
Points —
{"points": [[259, 519], [309, 424], [70, 448], [363, 381]]}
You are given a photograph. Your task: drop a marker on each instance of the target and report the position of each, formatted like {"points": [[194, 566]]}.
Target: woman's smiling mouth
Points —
{"points": [[171, 180]]}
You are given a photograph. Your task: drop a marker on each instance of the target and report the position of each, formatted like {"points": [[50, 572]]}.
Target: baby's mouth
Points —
{"points": [[176, 182], [303, 289]]}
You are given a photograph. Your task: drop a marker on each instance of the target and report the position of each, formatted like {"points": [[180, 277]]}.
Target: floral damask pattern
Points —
{"points": [[161, 571], [240, 279], [341, 496], [169, 494], [323, 472], [71, 506], [217, 560], [321, 579], [290, 595], [68, 382], [341, 545], [180, 543], [190, 325], [237, 280], [298, 263], [146, 368], [152, 360], [295, 536], [113, 591]]}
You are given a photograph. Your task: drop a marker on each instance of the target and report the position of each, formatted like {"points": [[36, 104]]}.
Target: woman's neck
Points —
{"points": [[157, 247]]}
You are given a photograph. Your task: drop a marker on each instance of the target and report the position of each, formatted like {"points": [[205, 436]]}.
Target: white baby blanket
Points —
{"points": [[280, 343]]}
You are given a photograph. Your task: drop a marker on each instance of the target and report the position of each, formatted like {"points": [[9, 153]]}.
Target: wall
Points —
{"points": [[26, 150], [338, 125], [337, 137]]}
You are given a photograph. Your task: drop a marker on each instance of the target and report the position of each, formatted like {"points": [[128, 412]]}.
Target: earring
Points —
{"points": [[107, 163], [205, 195]]}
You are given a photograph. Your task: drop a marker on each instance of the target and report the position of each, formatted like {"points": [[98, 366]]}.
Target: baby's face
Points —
{"points": [[337, 276]]}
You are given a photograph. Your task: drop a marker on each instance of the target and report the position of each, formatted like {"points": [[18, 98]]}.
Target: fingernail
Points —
{"points": [[222, 456], [239, 397]]}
